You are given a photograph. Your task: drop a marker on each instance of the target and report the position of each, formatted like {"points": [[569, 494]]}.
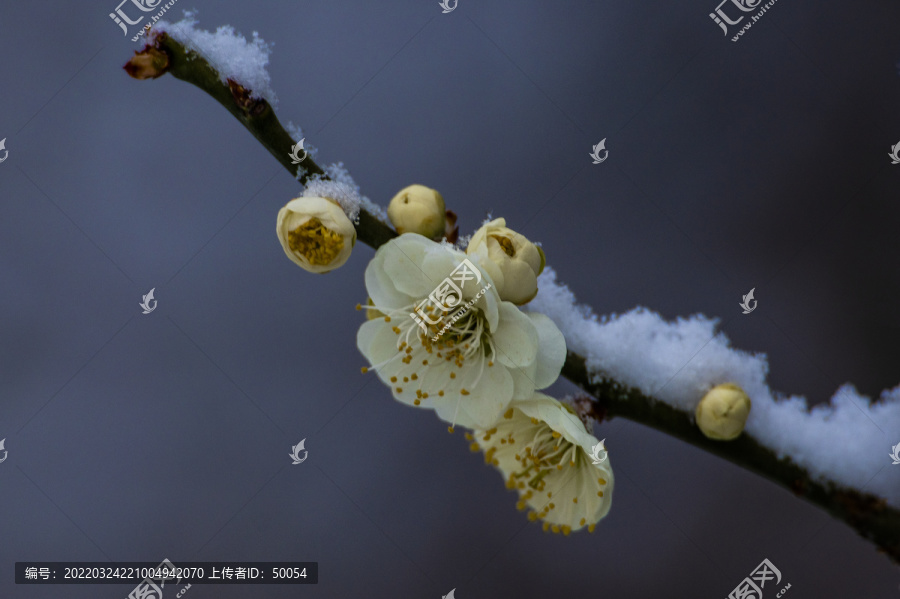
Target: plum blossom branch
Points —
{"points": [[868, 514]]}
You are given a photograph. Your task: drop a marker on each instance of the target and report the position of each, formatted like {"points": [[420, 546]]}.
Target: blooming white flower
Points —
{"points": [[315, 233], [543, 451], [418, 209], [469, 369], [512, 261], [722, 413]]}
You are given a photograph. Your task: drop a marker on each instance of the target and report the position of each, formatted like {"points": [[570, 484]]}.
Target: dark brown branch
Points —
{"points": [[868, 514]]}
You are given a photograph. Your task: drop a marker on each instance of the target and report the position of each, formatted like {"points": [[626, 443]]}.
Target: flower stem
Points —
{"points": [[868, 514]]}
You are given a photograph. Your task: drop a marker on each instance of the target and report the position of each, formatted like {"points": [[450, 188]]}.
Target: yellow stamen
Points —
{"points": [[316, 242], [505, 244]]}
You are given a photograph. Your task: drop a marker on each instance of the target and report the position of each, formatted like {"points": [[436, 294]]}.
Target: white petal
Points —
{"points": [[380, 287], [551, 350], [523, 378], [488, 399], [516, 338], [377, 341], [403, 259]]}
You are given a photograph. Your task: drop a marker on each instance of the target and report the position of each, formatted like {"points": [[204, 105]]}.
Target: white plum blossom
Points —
{"points": [[468, 368], [315, 233], [543, 451]]}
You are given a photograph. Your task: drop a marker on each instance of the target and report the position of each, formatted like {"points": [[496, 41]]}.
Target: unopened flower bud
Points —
{"points": [[513, 262], [149, 63], [722, 412], [315, 233], [418, 209]]}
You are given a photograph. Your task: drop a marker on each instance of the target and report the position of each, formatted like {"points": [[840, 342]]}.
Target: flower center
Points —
{"points": [[460, 339], [316, 242], [548, 451], [506, 245]]}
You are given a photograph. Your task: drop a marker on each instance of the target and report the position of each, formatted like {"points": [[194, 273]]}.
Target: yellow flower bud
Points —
{"points": [[315, 233], [722, 412], [512, 261], [418, 209]]}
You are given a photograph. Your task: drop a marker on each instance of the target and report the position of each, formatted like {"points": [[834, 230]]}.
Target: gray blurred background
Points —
{"points": [[761, 163]]}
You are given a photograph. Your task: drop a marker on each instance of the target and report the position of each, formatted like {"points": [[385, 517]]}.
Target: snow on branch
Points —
{"points": [[230, 54], [678, 362], [635, 365]]}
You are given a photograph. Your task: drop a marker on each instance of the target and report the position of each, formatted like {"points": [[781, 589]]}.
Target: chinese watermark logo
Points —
{"points": [[446, 297], [752, 586], [145, 304], [6, 152], [596, 153], [148, 589], [596, 450], [6, 453], [722, 19], [746, 303], [445, 4], [296, 158], [295, 453], [894, 456], [895, 153], [122, 20]]}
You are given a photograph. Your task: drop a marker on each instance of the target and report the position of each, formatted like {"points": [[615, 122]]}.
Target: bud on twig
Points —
{"points": [[149, 63]]}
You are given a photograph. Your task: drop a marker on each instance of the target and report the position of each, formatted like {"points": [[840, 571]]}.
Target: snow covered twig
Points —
{"points": [[875, 518], [868, 514]]}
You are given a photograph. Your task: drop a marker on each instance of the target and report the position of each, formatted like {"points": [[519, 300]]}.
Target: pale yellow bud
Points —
{"points": [[418, 209], [513, 262], [722, 412], [315, 233]]}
